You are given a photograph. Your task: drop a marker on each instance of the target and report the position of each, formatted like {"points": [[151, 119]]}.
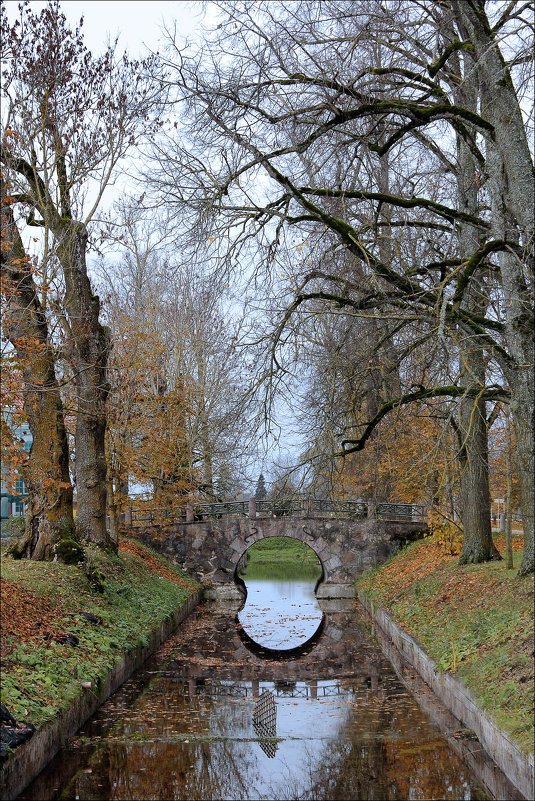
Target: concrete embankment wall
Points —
{"points": [[517, 766], [29, 759]]}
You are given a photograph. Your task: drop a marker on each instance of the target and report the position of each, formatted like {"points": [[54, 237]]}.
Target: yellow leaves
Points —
{"points": [[446, 533]]}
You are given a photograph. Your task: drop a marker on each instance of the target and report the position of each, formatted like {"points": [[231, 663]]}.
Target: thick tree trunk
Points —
{"points": [[511, 175], [88, 345], [508, 501], [49, 511], [522, 414], [499, 105], [518, 310], [478, 545], [475, 495]]}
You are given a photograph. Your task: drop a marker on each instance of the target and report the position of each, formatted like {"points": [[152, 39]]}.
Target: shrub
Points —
{"points": [[13, 527]]}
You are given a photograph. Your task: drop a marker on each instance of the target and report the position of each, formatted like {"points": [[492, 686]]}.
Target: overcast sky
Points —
{"points": [[137, 22]]}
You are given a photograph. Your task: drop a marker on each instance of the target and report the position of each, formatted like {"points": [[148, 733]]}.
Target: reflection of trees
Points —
{"points": [[164, 771], [155, 764], [285, 687], [384, 749], [383, 752], [382, 746]]}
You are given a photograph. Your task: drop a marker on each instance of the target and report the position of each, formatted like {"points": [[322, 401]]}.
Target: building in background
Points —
{"points": [[13, 497]]}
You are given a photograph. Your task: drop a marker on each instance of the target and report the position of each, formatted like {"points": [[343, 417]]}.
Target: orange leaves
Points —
{"points": [[152, 563], [25, 615]]}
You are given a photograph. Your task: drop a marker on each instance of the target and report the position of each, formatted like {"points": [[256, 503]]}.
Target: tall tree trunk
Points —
{"points": [[478, 545], [500, 106], [89, 346], [511, 176], [519, 335], [508, 500], [475, 494], [49, 513]]}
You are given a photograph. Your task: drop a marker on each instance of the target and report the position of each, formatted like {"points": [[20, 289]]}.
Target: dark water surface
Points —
{"points": [[211, 717]]}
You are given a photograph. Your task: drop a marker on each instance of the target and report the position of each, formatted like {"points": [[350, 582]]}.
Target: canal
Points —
{"points": [[283, 699]]}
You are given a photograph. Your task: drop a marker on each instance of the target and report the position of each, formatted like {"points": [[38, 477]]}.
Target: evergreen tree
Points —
{"points": [[260, 492]]}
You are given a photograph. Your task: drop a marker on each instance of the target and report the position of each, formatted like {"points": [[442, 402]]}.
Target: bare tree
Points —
{"points": [[301, 87], [173, 331]]}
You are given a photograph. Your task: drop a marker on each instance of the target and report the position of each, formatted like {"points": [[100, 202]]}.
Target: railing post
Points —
{"points": [[252, 508], [371, 509], [190, 517], [309, 507]]}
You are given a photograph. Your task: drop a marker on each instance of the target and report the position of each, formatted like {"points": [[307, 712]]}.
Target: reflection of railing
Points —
{"points": [[241, 690], [278, 508]]}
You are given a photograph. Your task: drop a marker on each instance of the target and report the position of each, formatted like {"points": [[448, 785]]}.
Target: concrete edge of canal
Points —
{"points": [[518, 767], [29, 759]]}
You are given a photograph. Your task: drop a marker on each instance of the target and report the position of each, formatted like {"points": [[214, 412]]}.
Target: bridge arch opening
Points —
{"points": [[278, 577]]}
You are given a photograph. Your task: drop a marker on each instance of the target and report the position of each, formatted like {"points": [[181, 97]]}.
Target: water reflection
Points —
{"points": [[184, 727], [280, 615]]}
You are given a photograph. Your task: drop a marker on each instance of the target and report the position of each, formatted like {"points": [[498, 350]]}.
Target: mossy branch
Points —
{"points": [[489, 394], [454, 47]]}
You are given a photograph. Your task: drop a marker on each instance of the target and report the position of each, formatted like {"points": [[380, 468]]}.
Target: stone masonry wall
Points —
{"points": [[210, 550]]}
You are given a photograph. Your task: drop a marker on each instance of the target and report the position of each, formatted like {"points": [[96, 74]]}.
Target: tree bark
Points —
{"points": [[499, 105], [49, 513], [508, 500], [478, 545], [88, 347], [519, 336]]}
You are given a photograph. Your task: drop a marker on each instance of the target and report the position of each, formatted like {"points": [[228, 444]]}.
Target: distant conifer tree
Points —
{"points": [[260, 492]]}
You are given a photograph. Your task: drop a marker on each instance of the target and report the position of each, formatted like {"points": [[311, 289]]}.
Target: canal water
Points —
{"points": [[284, 699]]}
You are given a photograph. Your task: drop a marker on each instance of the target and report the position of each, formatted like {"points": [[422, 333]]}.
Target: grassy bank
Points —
{"points": [[475, 621], [109, 604], [281, 558]]}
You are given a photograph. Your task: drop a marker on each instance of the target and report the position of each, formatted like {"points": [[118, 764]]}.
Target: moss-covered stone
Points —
{"points": [[68, 551]]}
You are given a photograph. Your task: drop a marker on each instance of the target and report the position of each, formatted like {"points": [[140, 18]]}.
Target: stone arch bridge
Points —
{"points": [[349, 538]]}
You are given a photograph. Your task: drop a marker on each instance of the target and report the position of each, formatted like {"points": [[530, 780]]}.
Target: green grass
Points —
{"points": [[282, 558], [475, 621], [39, 679]]}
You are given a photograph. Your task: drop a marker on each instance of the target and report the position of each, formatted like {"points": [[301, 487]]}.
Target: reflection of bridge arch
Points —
{"points": [[330, 657], [283, 654]]}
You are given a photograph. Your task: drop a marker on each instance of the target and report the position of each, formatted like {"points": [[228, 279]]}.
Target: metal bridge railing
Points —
{"points": [[414, 511], [357, 509], [290, 506]]}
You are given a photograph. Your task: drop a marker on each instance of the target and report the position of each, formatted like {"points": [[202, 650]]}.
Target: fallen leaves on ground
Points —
{"points": [[25, 616], [127, 546]]}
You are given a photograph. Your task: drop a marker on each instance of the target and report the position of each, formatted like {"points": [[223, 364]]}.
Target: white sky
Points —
{"points": [[137, 22]]}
